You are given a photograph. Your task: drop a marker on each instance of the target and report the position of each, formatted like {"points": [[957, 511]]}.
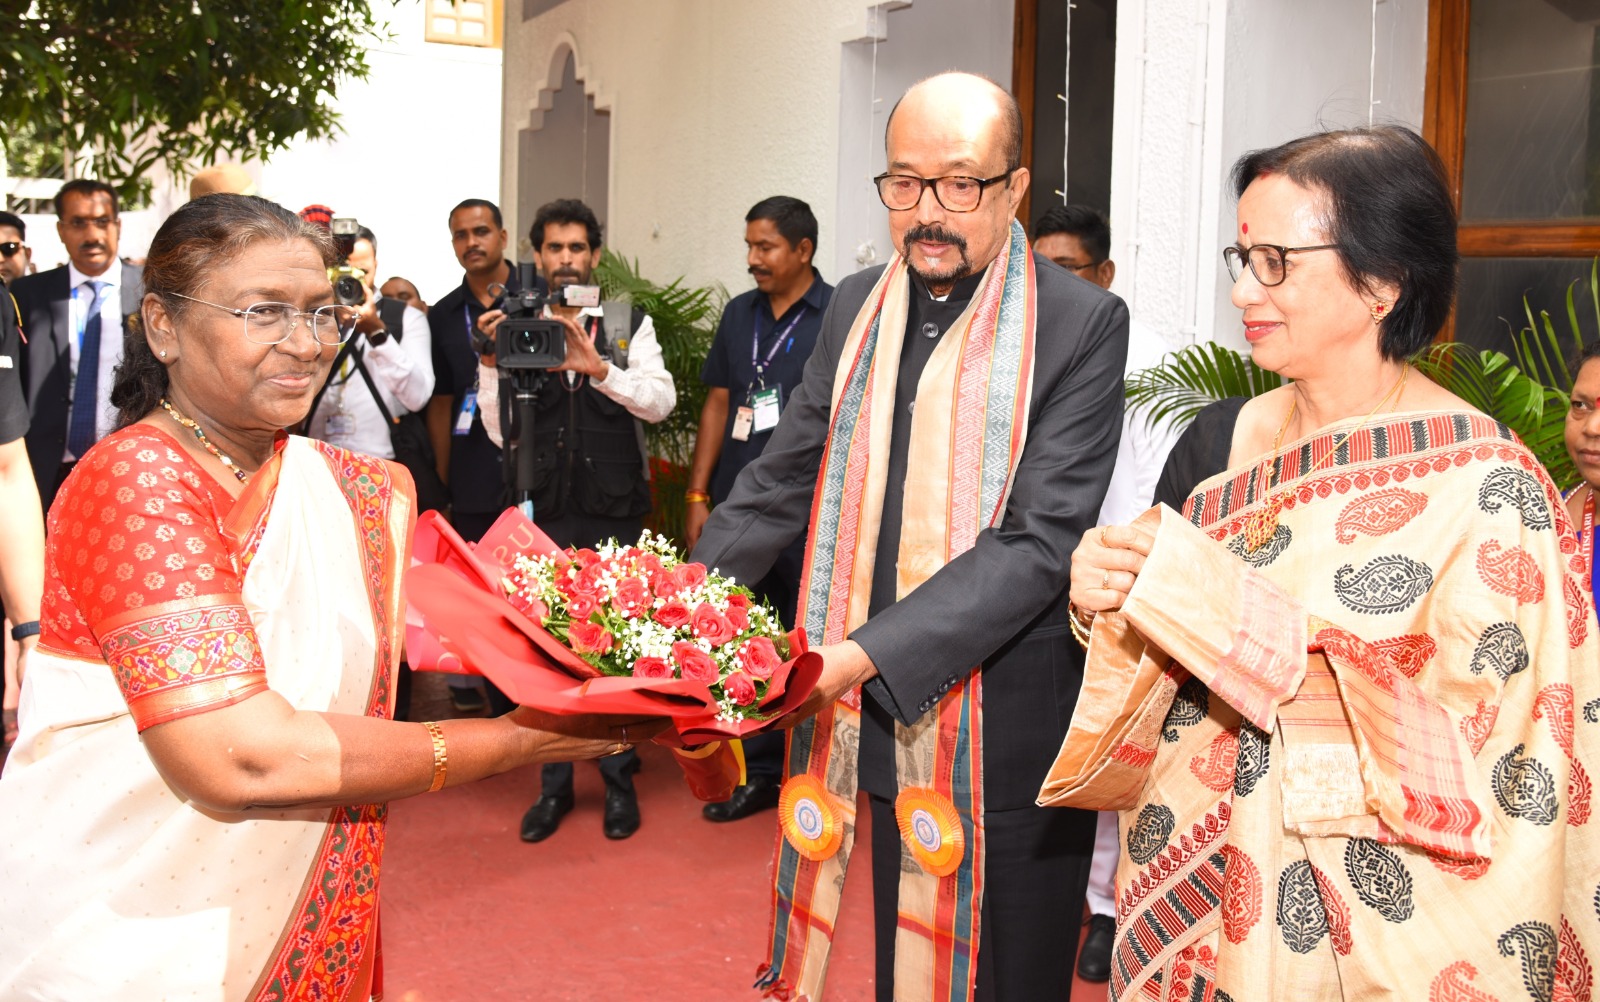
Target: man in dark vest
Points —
{"points": [[590, 479]]}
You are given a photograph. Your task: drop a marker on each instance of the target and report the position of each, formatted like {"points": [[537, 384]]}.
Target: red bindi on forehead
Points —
{"points": [[1244, 227]]}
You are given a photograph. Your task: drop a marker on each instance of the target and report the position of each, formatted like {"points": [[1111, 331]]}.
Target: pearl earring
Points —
{"points": [[163, 353]]}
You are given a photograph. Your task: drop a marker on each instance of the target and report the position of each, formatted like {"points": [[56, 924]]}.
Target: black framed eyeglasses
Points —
{"points": [[9, 248], [1268, 262], [275, 323], [954, 193]]}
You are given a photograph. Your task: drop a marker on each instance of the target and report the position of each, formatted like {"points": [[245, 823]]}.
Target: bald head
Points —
{"points": [[964, 133], [979, 101]]}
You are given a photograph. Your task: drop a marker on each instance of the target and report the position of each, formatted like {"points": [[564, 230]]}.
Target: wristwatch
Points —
{"points": [[22, 631]]}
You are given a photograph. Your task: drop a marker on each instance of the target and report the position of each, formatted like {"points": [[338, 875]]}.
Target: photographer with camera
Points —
{"points": [[359, 410], [590, 475]]}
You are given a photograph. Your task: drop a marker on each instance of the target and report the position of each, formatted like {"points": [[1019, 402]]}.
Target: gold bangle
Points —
{"points": [[1080, 629], [694, 496], [441, 755]]}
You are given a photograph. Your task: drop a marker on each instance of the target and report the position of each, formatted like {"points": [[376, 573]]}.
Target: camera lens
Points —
{"points": [[347, 289]]}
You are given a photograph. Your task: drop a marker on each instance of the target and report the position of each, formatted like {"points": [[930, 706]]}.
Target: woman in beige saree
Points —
{"points": [[1347, 701], [195, 806]]}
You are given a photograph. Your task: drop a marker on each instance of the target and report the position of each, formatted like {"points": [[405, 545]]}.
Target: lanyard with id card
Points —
{"points": [[765, 403], [469, 399]]}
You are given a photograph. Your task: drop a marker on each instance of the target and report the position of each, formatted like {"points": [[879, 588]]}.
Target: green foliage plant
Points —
{"points": [[141, 82], [685, 320]]}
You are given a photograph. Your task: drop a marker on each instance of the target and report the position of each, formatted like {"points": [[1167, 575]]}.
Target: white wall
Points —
{"points": [[717, 105], [901, 43], [1201, 82], [421, 133]]}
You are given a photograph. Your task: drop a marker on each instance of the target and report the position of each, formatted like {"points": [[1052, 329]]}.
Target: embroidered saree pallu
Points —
{"points": [[459, 591], [168, 598], [1353, 762], [967, 435]]}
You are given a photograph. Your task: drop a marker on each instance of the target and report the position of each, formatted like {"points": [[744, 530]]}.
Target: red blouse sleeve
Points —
{"points": [[140, 575]]}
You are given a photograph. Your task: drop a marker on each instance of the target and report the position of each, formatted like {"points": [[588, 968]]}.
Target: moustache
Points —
{"points": [[934, 233], [566, 273], [758, 272], [92, 245]]}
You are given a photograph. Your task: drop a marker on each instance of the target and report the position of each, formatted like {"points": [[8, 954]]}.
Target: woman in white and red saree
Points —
{"points": [[195, 806], [1583, 445], [1347, 702]]}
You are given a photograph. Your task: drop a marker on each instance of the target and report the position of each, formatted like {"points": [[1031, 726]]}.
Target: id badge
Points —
{"points": [[766, 405], [742, 420], [338, 425], [469, 410]]}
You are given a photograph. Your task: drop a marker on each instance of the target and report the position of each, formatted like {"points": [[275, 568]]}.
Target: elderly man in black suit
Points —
{"points": [[940, 623], [75, 317]]}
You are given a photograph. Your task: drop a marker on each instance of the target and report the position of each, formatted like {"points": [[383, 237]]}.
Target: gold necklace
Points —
{"points": [[1262, 525], [205, 443]]}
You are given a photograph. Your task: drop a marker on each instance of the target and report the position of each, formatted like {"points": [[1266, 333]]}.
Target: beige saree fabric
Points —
{"points": [[117, 888], [1355, 763]]}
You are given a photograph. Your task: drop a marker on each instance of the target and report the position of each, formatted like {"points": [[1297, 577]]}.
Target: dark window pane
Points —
{"points": [[1532, 132], [1489, 308]]}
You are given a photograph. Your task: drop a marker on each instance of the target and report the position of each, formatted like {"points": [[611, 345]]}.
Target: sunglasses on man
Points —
{"points": [[9, 248]]}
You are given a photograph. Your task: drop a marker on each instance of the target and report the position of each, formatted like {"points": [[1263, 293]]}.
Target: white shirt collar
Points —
{"points": [[111, 278]]}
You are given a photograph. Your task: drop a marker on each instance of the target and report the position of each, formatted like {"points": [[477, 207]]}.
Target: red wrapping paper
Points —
{"points": [[464, 623]]}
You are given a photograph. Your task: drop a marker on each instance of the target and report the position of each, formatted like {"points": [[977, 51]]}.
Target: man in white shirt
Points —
{"points": [[400, 363], [74, 319], [1078, 239], [590, 479]]}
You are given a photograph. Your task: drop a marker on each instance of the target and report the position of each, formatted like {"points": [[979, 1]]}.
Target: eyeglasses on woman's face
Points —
{"points": [[1267, 262], [275, 323]]}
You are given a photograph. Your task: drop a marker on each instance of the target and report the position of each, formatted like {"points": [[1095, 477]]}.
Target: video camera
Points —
{"points": [[347, 286], [525, 339]]}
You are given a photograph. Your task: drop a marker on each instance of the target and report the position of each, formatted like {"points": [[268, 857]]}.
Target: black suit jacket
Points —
{"points": [[47, 362], [1001, 604]]}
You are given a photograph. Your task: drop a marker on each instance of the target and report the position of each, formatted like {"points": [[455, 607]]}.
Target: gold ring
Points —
{"points": [[1105, 581]]}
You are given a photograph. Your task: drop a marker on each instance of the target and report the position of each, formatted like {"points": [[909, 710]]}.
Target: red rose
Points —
{"points": [[633, 598], [666, 584], [589, 578], [589, 638], [585, 556], [652, 668], [649, 564], [582, 605], [739, 688], [696, 664], [534, 610], [738, 616], [672, 614], [759, 657], [738, 599], [709, 624], [690, 576]]}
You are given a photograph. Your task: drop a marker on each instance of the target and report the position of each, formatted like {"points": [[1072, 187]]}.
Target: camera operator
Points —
{"points": [[590, 477], [395, 346]]}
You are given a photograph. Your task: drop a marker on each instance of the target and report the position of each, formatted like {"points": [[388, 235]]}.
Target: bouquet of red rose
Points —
{"points": [[625, 629]]}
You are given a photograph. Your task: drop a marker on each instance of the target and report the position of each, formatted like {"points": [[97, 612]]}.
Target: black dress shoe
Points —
{"points": [[1094, 963], [622, 813], [544, 817], [759, 794]]}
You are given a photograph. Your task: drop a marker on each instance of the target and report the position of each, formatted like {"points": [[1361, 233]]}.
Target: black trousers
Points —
{"points": [[1036, 868]]}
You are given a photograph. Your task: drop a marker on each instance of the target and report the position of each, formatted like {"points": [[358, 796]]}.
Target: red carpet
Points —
{"points": [[677, 913]]}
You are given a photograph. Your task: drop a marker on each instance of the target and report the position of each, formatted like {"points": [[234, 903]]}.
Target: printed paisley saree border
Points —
{"points": [[1414, 446]]}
